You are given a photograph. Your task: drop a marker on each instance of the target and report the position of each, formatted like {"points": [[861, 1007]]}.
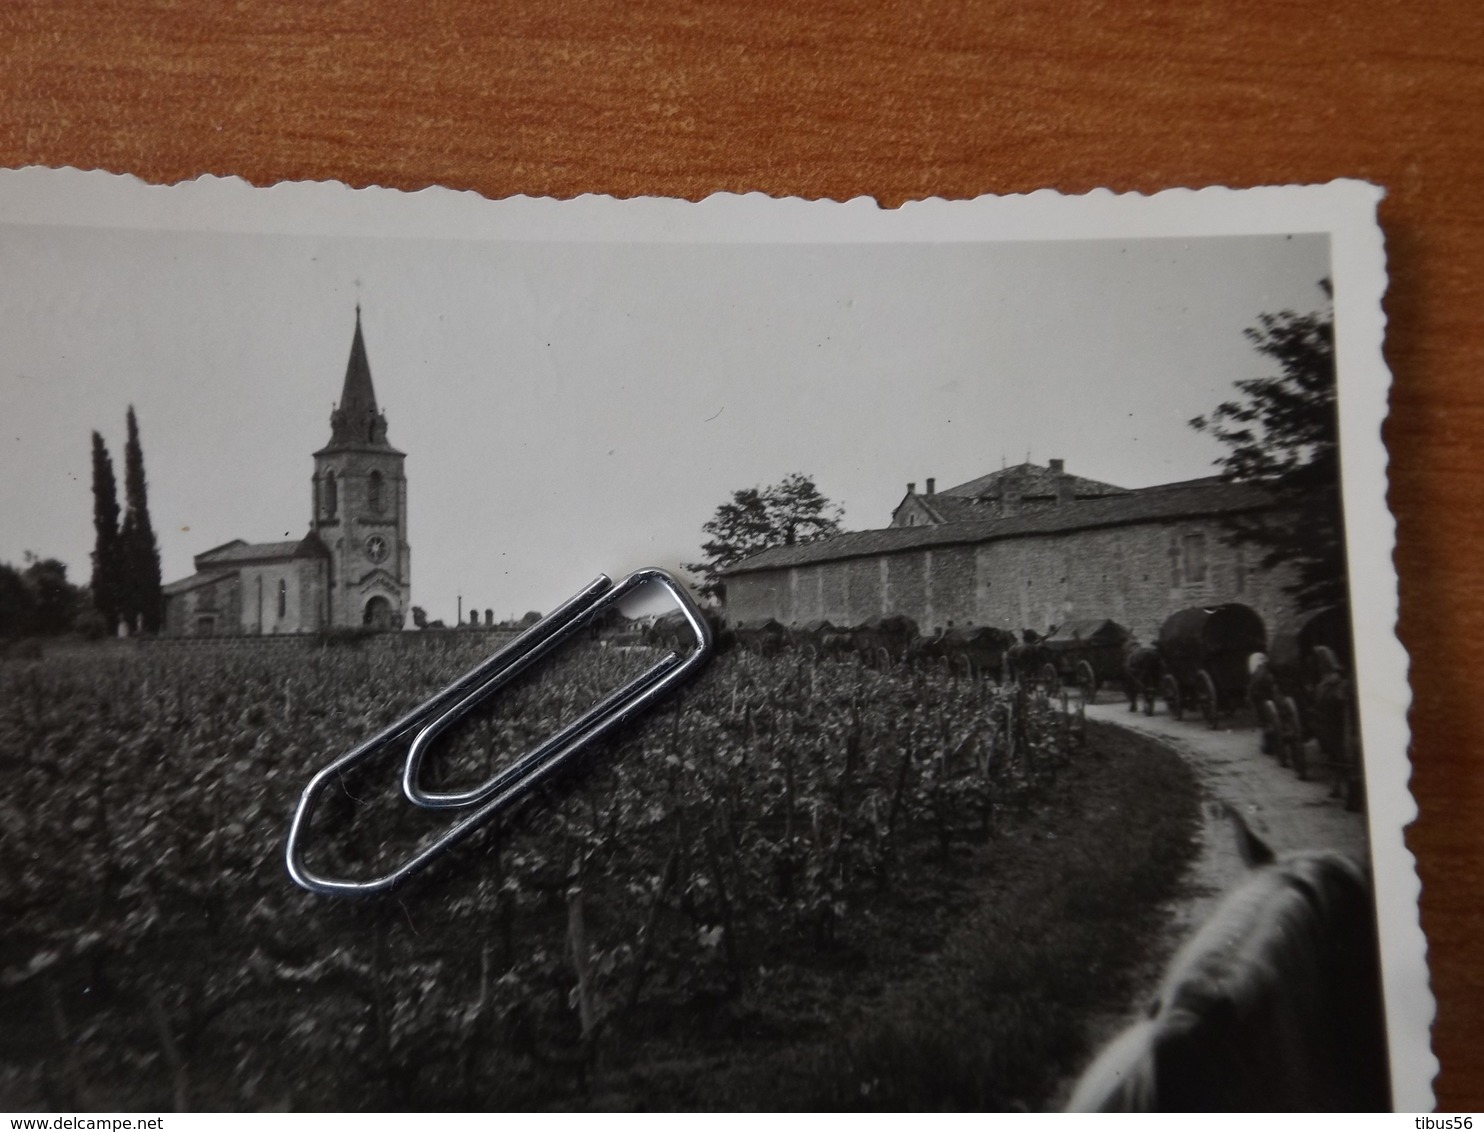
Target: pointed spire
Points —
{"points": [[357, 395], [356, 419]]}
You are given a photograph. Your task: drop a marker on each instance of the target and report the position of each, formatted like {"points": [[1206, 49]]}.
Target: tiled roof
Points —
{"points": [[1191, 499], [237, 552], [223, 546], [250, 551], [1030, 481], [954, 510], [311, 546], [198, 579]]}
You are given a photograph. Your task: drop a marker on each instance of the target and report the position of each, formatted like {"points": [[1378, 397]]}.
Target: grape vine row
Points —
{"points": [[155, 952]]}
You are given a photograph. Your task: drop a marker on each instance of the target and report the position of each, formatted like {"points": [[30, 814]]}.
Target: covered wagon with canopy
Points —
{"points": [[1204, 651], [1088, 653]]}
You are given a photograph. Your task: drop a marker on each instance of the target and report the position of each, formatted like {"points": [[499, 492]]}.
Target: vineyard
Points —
{"points": [[801, 883]]}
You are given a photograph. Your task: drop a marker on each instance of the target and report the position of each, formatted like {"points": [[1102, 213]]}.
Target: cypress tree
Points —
{"points": [[143, 602], [106, 557]]}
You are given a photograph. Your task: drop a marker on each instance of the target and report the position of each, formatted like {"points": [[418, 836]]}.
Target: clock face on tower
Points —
{"points": [[376, 549]]}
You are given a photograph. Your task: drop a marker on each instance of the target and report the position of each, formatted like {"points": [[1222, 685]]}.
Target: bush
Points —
{"points": [[344, 637], [89, 625], [27, 648]]}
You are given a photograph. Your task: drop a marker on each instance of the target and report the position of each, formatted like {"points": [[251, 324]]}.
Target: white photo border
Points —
{"points": [[1345, 210]]}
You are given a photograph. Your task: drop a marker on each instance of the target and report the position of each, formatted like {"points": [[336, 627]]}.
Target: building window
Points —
{"points": [[373, 492], [283, 598], [1195, 558], [332, 495]]}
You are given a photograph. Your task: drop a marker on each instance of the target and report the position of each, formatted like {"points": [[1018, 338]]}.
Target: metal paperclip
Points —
{"points": [[453, 703]]}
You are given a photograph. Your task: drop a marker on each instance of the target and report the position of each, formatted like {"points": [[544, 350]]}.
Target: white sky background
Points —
{"points": [[570, 409]]}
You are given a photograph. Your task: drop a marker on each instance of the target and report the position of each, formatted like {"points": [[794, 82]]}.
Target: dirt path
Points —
{"points": [[1286, 813]]}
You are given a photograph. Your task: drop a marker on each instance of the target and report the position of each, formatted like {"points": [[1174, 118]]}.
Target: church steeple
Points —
{"points": [[356, 421], [359, 506]]}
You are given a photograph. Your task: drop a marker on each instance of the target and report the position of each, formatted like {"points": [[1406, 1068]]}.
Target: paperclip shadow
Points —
{"points": [[537, 765]]}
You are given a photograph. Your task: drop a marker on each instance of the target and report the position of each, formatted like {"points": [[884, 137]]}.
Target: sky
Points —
{"points": [[574, 408]]}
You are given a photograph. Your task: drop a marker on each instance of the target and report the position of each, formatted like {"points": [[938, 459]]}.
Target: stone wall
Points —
{"points": [[210, 610], [299, 608], [1137, 574]]}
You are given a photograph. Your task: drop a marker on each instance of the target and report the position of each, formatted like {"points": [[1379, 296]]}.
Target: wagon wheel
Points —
{"points": [[1169, 688], [1087, 679], [1293, 736], [1274, 740], [1048, 679], [1205, 692]]}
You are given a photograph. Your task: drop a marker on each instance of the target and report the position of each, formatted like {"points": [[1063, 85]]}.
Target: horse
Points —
{"points": [[1142, 668], [1273, 1005], [1027, 661]]}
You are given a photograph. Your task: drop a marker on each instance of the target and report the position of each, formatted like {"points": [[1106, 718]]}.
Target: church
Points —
{"points": [[353, 567]]}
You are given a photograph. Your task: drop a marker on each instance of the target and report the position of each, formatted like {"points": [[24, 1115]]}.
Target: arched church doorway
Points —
{"points": [[378, 614]]}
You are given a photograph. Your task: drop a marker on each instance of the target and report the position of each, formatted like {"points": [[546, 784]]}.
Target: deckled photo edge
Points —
{"points": [[1344, 210]]}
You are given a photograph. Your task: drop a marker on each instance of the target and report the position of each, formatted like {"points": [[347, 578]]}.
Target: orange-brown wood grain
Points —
{"points": [[896, 101]]}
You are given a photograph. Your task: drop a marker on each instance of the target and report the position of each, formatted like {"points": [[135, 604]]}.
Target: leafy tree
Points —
{"points": [[143, 600], [107, 565], [1283, 433], [17, 604], [419, 617], [55, 598], [36, 601], [754, 519]]}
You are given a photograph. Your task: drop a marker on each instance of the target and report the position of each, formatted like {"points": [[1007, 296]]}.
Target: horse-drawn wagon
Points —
{"points": [[883, 641], [1031, 664], [971, 650], [1204, 654], [810, 637], [766, 638], [1087, 653]]}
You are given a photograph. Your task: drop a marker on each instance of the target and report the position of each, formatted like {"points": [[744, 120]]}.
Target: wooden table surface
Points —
{"points": [[896, 101]]}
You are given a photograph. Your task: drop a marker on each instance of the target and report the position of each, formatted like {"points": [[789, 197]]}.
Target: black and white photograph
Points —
{"points": [[989, 696]]}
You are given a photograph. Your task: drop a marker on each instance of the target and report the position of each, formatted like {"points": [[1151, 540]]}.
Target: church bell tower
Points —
{"points": [[360, 507]]}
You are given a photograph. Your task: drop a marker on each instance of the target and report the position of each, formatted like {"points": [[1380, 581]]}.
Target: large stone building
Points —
{"points": [[1052, 548], [352, 568]]}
